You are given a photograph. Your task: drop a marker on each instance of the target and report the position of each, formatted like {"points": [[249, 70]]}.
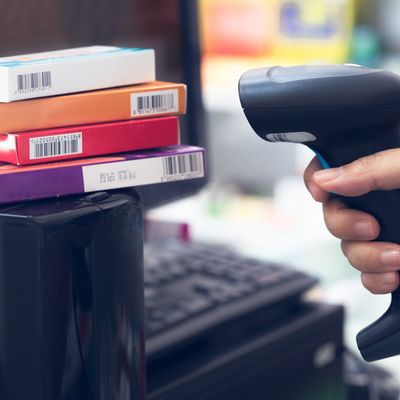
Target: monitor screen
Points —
{"points": [[168, 26]]}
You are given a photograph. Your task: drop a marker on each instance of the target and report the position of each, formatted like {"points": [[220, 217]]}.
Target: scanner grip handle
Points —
{"points": [[381, 339]]}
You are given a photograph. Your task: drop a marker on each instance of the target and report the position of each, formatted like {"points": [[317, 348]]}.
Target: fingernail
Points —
{"points": [[390, 258], [364, 229], [327, 175]]}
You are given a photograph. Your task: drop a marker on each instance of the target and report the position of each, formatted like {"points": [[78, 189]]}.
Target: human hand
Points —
{"points": [[379, 262]]}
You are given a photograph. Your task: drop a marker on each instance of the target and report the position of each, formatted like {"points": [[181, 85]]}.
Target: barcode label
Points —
{"points": [[53, 146], [190, 165], [155, 102], [34, 81], [146, 171]]}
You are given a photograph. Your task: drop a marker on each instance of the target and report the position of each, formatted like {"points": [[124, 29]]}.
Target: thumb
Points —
{"points": [[379, 171]]}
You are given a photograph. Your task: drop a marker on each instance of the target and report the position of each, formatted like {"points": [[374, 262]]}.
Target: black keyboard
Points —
{"points": [[194, 289]]}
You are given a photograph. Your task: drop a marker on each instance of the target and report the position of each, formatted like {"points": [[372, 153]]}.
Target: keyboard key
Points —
{"points": [[156, 315], [175, 316], [188, 287], [154, 326], [197, 305]]}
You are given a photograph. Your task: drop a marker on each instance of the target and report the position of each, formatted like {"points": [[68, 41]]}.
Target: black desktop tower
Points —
{"points": [[71, 299]]}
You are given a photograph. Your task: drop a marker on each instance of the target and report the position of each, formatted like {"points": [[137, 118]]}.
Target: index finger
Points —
{"points": [[379, 171]]}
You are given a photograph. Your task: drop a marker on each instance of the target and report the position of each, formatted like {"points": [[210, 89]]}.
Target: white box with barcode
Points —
{"points": [[73, 70]]}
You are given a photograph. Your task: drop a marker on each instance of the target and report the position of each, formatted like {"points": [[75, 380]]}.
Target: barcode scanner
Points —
{"points": [[342, 113]]}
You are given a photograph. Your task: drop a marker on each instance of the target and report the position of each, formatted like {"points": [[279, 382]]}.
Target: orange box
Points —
{"points": [[127, 102]]}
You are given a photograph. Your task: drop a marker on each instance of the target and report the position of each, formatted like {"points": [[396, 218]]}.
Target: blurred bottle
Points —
{"points": [[315, 30], [366, 47]]}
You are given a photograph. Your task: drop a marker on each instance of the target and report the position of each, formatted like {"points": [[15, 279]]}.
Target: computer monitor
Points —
{"points": [[168, 26]]}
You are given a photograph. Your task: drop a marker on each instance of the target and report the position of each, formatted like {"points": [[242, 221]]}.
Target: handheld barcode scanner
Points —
{"points": [[341, 112]]}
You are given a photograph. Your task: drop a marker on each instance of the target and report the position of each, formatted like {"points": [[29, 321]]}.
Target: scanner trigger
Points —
{"points": [[323, 162]]}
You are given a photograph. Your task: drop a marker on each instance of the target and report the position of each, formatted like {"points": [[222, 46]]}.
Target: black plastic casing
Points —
{"points": [[71, 299], [343, 113], [339, 105]]}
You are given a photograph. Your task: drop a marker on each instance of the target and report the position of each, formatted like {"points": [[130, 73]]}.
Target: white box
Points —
{"points": [[73, 70]]}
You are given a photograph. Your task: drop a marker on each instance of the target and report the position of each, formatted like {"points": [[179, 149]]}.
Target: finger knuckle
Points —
{"points": [[369, 284], [306, 179], [332, 226], [336, 226], [309, 171], [344, 244], [357, 256], [364, 164]]}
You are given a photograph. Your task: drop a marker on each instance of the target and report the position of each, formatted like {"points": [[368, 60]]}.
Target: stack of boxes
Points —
{"points": [[99, 106]]}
